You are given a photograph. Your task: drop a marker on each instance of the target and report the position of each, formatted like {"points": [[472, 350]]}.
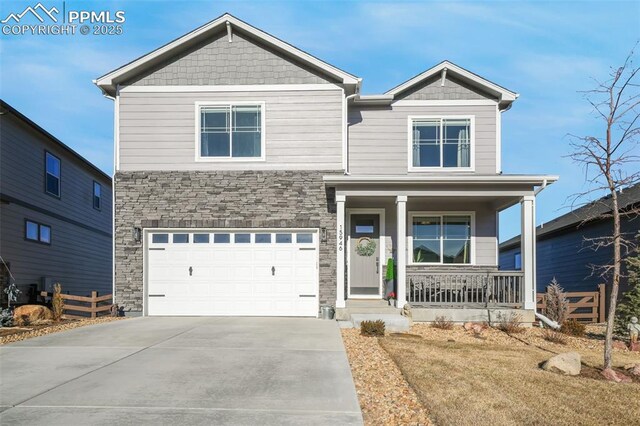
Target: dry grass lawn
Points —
{"points": [[463, 380]]}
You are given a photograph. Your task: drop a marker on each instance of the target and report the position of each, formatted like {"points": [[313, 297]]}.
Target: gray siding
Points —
{"points": [[79, 258], [303, 130], [432, 89], [378, 138], [268, 199], [485, 216], [215, 61]]}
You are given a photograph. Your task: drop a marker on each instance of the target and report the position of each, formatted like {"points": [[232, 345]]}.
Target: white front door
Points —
{"points": [[235, 273]]}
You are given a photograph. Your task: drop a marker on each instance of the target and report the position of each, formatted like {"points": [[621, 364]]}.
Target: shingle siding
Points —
{"points": [[453, 89], [215, 61], [229, 199]]}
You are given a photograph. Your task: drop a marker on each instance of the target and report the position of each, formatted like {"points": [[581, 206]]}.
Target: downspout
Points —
{"points": [[345, 133], [542, 187], [113, 193]]}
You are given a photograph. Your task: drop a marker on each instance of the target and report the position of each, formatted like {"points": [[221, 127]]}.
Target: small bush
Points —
{"points": [[510, 324], [6, 318], [554, 337], [372, 328], [556, 303], [443, 323], [57, 303], [573, 327]]}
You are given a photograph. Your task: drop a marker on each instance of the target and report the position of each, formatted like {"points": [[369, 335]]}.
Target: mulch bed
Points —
{"points": [[15, 334]]}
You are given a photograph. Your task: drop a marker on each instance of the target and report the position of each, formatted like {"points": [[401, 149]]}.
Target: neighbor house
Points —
{"points": [[255, 179], [565, 246], [55, 213]]}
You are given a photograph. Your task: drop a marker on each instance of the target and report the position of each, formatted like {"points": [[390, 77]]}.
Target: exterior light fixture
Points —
{"points": [[137, 234], [323, 235]]}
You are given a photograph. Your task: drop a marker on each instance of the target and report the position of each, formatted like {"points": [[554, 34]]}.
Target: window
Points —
{"points": [[97, 195], [38, 232], [440, 142], [52, 174], [441, 239], [180, 238], [304, 238], [283, 238], [517, 260], [231, 131], [160, 238], [221, 238], [263, 238], [242, 238], [201, 238]]}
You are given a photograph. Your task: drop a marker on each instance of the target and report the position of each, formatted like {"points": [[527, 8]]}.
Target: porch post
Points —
{"points": [[340, 300], [401, 261], [528, 249]]}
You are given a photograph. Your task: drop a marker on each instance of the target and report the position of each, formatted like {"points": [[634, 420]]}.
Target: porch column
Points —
{"points": [[401, 261], [528, 249], [340, 200]]}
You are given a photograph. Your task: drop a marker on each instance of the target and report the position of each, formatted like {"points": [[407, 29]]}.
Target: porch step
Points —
{"points": [[367, 303], [392, 322]]}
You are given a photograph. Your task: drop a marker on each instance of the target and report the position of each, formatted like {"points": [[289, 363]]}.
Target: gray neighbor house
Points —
{"points": [[255, 179], [563, 249], [55, 213]]}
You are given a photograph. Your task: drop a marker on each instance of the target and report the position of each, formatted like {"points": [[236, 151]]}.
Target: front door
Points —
{"points": [[364, 255]]}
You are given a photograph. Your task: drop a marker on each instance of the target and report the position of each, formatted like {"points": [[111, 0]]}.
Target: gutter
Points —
{"points": [[542, 187]]}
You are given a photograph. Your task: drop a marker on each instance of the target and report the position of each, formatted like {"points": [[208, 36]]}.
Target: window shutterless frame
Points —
{"points": [[441, 215], [212, 104], [97, 196], [39, 235], [472, 143], [47, 154]]}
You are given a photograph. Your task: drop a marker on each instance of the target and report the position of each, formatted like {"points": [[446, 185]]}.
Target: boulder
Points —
{"points": [[614, 376], [468, 326], [617, 344], [634, 347], [32, 314], [567, 363], [633, 369]]}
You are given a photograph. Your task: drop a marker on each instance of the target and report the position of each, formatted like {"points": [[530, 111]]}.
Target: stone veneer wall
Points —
{"points": [[219, 199]]}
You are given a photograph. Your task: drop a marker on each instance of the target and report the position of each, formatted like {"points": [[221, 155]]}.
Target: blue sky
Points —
{"points": [[546, 51]]}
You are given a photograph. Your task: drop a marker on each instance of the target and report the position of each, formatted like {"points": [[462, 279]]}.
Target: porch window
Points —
{"points": [[441, 142], [441, 239], [231, 132]]}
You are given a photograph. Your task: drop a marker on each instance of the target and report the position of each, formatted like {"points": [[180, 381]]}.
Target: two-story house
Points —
{"points": [[55, 213], [255, 179]]}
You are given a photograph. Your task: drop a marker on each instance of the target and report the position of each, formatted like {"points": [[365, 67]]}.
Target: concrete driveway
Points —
{"points": [[185, 371]]}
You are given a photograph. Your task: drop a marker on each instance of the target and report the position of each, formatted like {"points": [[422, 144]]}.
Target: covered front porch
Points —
{"points": [[440, 235]]}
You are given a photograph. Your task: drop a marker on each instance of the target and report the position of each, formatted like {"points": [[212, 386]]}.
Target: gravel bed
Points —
{"points": [[35, 331], [385, 396]]}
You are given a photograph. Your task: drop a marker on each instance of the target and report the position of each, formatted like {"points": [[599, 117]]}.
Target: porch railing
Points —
{"points": [[469, 288]]}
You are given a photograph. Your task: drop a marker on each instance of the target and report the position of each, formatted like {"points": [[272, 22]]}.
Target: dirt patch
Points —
{"points": [[15, 334], [385, 396]]}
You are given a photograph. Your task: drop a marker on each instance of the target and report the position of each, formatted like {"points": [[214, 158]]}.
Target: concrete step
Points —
{"points": [[359, 303], [392, 322]]}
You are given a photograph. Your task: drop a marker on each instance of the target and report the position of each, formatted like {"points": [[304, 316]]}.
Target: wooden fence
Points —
{"points": [[584, 306], [77, 304]]}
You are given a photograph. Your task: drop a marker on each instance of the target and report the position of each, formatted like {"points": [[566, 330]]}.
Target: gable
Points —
{"points": [[453, 89], [216, 61]]}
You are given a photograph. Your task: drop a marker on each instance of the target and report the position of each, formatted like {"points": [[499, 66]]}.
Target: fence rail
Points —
{"points": [[585, 306], [450, 288], [73, 303]]}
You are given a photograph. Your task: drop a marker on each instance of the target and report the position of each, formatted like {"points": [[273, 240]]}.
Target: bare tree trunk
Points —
{"points": [[608, 343]]}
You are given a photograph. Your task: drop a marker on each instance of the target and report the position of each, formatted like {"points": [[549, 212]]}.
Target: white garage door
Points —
{"points": [[248, 273]]}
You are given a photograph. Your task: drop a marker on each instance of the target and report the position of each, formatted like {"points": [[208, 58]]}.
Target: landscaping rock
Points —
{"points": [[468, 326], [634, 347], [32, 314], [617, 344], [614, 376], [567, 363], [633, 369]]}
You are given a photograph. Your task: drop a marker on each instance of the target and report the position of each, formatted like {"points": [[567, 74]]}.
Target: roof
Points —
{"points": [[4, 106], [109, 81], [505, 96], [589, 212], [534, 180]]}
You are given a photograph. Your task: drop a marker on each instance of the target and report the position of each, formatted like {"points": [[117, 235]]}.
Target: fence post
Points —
{"points": [[94, 303], [601, 302]]}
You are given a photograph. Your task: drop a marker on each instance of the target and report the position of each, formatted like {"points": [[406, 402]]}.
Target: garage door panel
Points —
{"points": [[233, 278]]}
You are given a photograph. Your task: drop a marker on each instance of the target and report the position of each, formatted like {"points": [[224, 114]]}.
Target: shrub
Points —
{"points": [[554, 337], [6, 318], [372, 328], [556, 303], [510, 324], [629, 306], [57, 303], [442, 323], [573, 327]]}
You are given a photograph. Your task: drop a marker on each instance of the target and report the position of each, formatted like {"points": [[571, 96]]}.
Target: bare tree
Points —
{"points": [[611, 164]]}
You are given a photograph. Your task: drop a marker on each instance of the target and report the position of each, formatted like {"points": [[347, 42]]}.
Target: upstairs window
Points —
{"points": [[440, 142], [231, 132], [52, 174], [97, 195]]}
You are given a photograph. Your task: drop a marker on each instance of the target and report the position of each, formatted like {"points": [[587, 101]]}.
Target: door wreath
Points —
{"points": [[365, 246]]}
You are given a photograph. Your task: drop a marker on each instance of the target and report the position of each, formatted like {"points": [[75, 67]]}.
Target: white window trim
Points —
{"points": [[263, 133], [472, 143], [441, 214]]}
